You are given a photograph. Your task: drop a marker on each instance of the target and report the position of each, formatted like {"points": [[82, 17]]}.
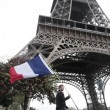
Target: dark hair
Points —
{"points": [[60, 86]]}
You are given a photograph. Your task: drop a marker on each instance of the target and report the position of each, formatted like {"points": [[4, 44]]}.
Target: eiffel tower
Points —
{"points": [[75, 41]]}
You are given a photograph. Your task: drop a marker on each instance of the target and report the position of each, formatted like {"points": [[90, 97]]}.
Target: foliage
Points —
{"points": [[6, 93], [39, 87]]}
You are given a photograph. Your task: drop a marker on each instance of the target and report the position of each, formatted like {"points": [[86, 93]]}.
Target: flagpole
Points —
{"points": [[72, 99]]}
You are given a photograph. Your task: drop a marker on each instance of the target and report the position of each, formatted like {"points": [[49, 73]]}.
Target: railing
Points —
{"points": [[72, 24]]}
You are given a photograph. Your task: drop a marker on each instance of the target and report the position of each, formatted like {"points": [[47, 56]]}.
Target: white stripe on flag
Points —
{"points": [[25, 70]]}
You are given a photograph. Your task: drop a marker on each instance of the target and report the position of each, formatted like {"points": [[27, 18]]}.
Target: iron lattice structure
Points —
{"points": [[75, 41]]}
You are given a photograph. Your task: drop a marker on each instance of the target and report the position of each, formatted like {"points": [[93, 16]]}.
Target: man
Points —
{"points": [[60, 99]]}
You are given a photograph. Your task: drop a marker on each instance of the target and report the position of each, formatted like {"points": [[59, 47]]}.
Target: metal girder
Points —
{"points": [[96, 15], [62, 9], [92, 14]]}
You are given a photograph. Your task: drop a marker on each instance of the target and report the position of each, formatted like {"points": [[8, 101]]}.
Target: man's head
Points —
{"points": [[61, 87]]}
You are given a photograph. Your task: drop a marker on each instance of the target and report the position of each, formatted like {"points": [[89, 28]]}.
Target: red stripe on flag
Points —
{"points": [[14, 75]]}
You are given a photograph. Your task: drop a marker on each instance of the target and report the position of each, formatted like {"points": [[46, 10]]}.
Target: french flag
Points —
{"points": [[33, 68]]}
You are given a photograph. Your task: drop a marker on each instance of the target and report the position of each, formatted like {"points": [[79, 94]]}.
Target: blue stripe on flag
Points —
{"points": [[38, 66]]}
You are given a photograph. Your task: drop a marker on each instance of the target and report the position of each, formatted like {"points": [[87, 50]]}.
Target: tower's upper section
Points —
{"points": [[86, 11], [70, 9]]}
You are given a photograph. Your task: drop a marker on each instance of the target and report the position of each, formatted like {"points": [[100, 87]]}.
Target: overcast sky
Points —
{"points": [[18, 24]]}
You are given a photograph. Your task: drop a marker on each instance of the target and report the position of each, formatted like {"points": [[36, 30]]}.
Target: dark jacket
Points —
{"points": [[60, 101]]}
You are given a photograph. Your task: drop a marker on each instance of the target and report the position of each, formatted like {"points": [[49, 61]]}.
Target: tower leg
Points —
{"points": [[96, 105]]}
